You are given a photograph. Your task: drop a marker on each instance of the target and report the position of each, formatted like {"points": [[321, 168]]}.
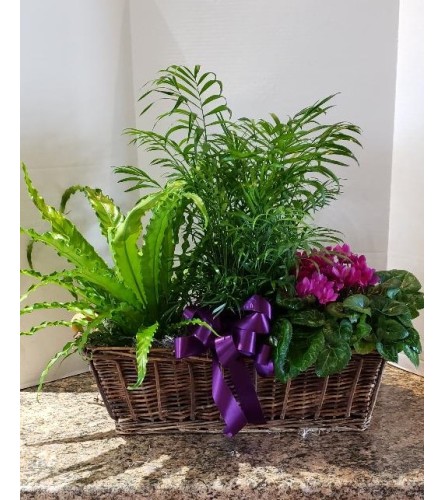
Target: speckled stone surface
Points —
{"points": [[69, 450]]}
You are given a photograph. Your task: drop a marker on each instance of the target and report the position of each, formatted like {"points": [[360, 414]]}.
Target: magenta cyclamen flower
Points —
{"points": [[319, 286], [325, 274]]}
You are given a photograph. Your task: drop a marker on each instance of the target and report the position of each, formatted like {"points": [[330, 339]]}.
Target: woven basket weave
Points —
{"points": [[176, 395]]}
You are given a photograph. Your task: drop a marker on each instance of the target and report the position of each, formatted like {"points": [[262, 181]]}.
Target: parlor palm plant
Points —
{"points": [[122, 304], [261, 181]]}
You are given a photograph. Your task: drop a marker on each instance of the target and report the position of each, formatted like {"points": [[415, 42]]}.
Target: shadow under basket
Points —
{"points": [[176, 395]]}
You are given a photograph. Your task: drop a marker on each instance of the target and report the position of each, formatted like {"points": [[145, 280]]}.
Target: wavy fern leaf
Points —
{"points": [[144, 339], [124, 244], [78, 307], [77, 251], [45, 324], [103, 206], [66, 351]]}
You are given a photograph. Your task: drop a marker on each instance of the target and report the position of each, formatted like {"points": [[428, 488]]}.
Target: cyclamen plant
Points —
{"points": [[340, 305]]}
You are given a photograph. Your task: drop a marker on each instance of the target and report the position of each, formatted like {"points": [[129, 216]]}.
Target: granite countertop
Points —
{"points": [[69, 450]]}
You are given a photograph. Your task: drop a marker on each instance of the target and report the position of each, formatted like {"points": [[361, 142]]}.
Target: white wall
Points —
{"points": [[405, 248], [281, 56], [76, 98]]}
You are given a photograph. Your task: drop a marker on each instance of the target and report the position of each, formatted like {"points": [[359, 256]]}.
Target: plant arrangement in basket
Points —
{"points": [[231, 253]]}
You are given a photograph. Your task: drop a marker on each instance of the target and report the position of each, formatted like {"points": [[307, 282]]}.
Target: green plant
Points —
{"points": [[261, 180], [123, 304], [340, 306]]}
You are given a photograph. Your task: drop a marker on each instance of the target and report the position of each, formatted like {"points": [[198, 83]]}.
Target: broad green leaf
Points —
{"points": [[358, 303], [293, 303], [332, 359], [361, 330], [345, 329], [158, 237], [412, 355], [364, 347], [391, 330], [388, 351], [409, 282], [304, 351], [392, 293], [282, 330], [64, 229], [336, 310], [311, 317], [144, 339], [413, 341], [394, 308]]}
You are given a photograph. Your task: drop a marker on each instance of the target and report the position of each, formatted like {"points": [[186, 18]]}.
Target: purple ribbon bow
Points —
{"points": [[243, 337]]}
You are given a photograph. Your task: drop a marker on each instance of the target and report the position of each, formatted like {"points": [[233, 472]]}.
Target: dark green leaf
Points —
{"points": [[394, 308], [364, 347], [304, 351], [309, 317], [391, 330], [388, 351], [293, 303], [413, 341], [282, 330], [336, 310], [345, 329], [358, 303], [361, 330], [332, 359], [412, 355]]}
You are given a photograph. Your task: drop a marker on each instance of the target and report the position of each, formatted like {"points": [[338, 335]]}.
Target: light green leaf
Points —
{"points": [[88, 264], [78, 307], [46, 324], [144, 339], [67, 350], [103, 206], [124, 244]]}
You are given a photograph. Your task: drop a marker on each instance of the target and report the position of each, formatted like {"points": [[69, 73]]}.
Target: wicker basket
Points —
{"points": [[177, 396]]}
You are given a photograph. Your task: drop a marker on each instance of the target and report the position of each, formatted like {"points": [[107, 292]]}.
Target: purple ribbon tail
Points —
{"points": [[228, 355], [225, 401]]}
